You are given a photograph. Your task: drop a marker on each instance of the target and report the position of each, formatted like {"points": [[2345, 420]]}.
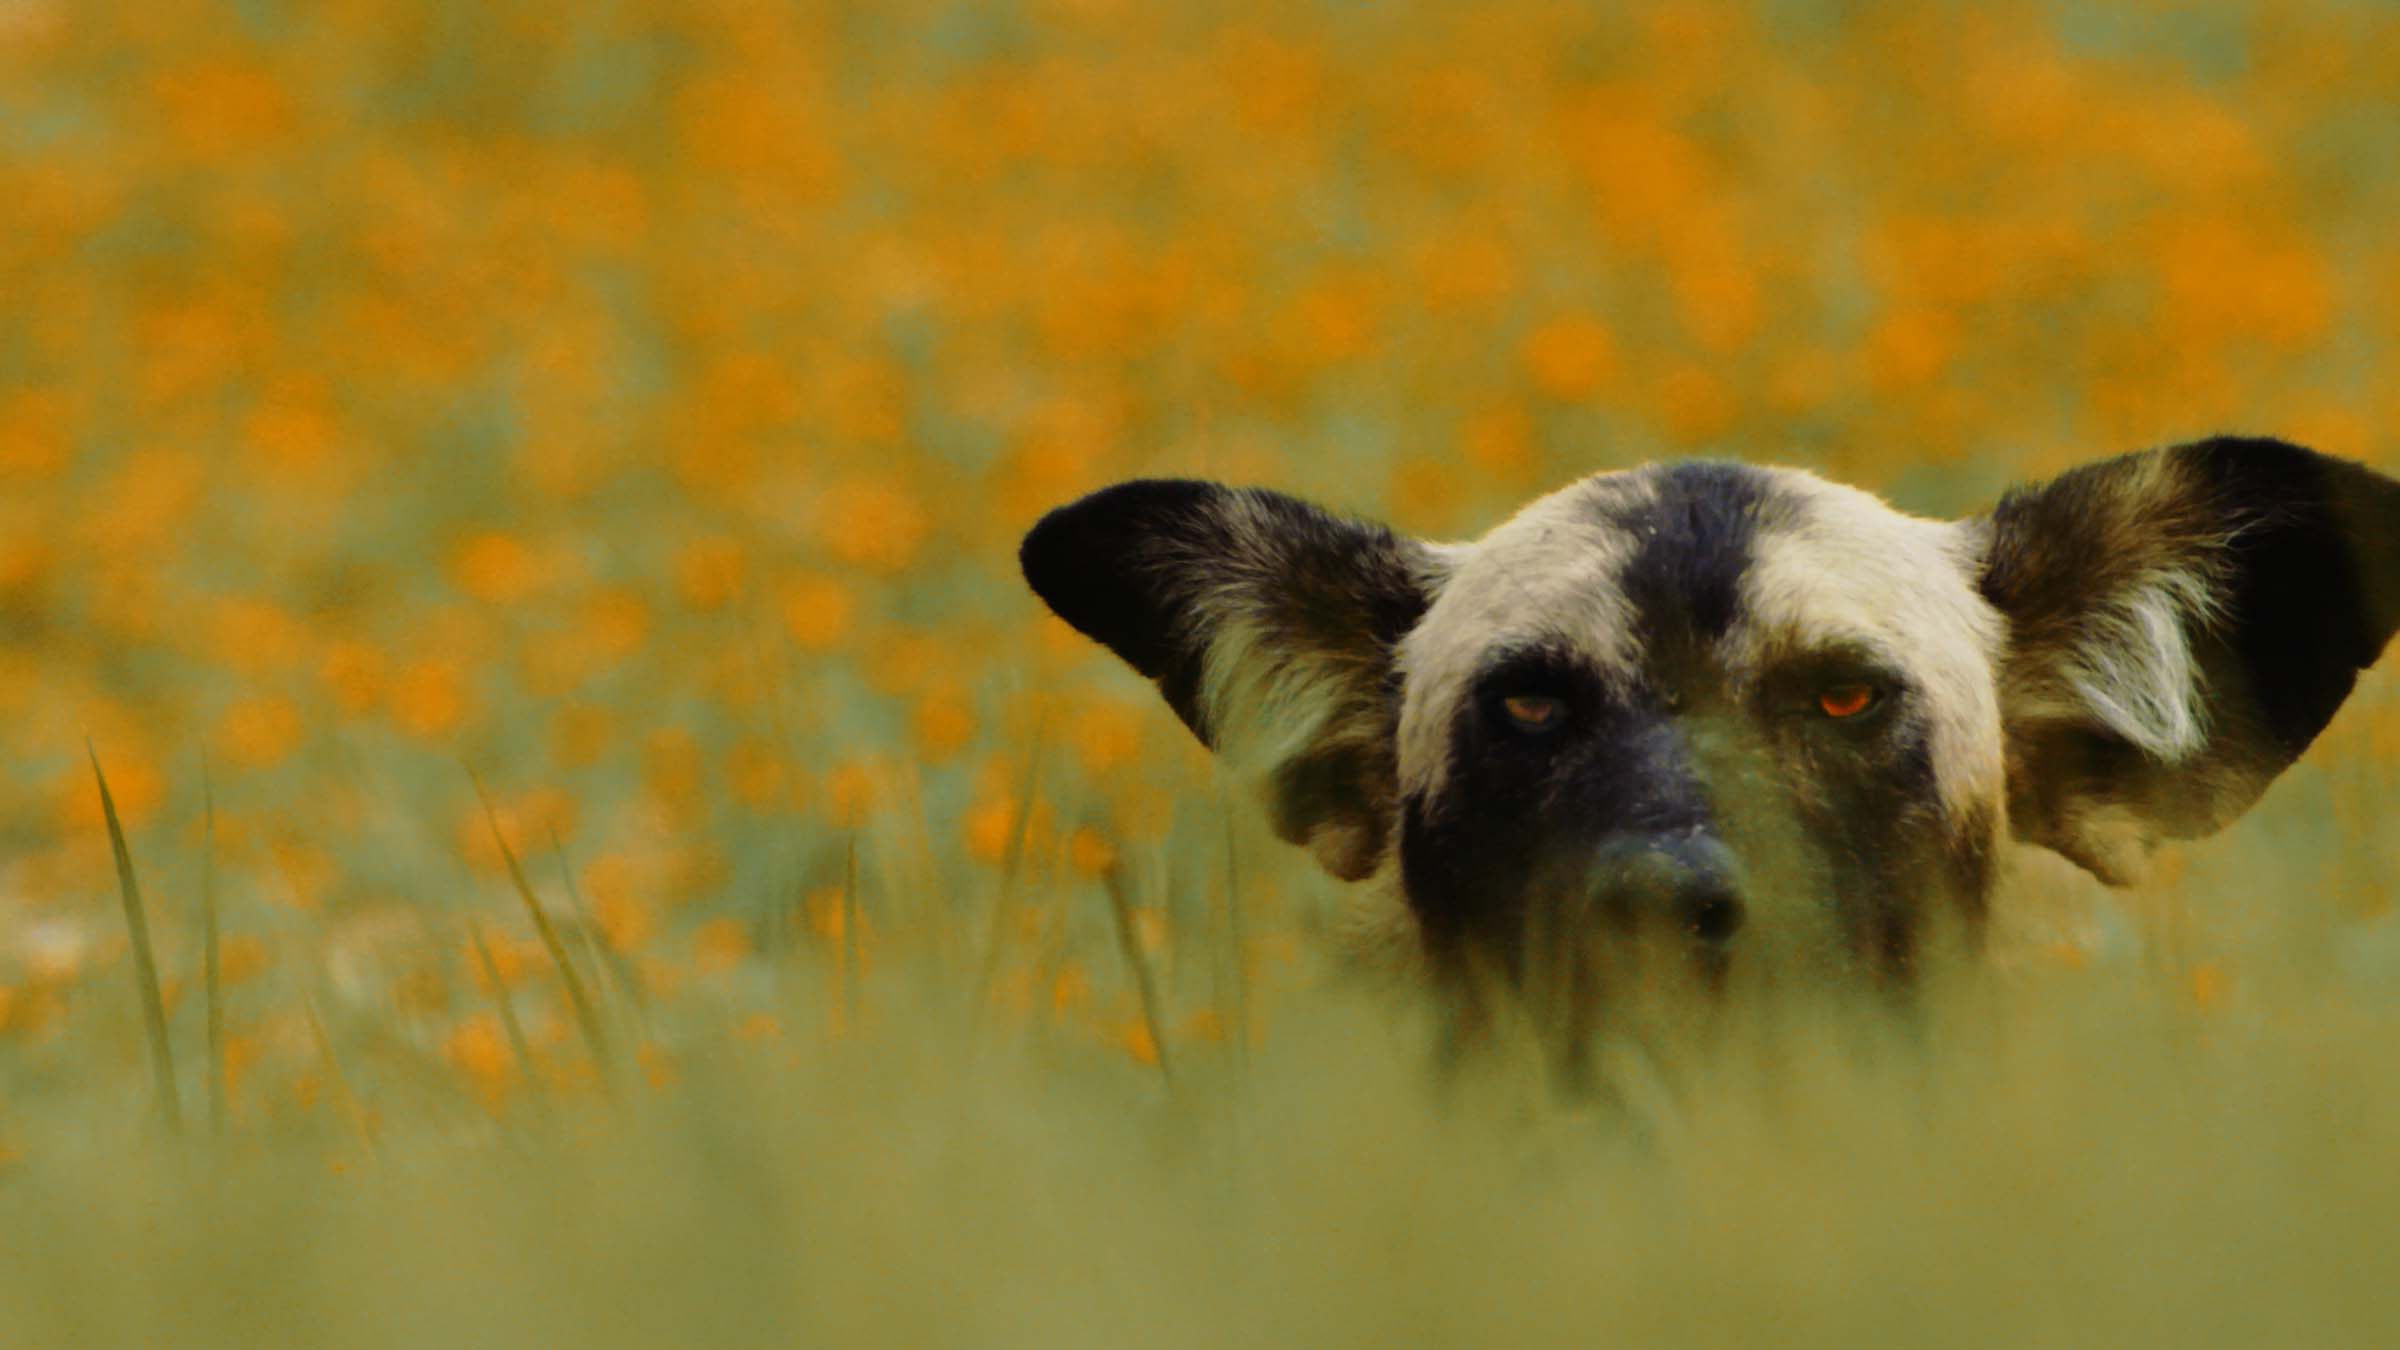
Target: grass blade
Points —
{"points": [[996, 942], [211, 967], [586, 1017], [352, 1107], [1129, 941], [607, 958], [1236, 975], [518, 1046], [850, 964], [154, 1003]]}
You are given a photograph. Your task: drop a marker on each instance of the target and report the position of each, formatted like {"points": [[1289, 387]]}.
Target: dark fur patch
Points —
{"points": [[1094, 563], [1522, 816], [1153, 569], [2313, 576], [1127, 566], [2304, 551], [1891, 856], [1694, 544]]}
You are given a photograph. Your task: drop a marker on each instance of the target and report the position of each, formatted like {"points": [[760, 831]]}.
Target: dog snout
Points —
{"points": [[1687, 883]]}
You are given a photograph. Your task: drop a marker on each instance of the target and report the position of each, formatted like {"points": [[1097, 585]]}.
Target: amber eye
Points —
{"points": [[1846, 700], [1534, 712]]}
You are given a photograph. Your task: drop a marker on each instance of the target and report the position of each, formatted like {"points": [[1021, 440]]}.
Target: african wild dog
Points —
{"points": [[1752, 712]]}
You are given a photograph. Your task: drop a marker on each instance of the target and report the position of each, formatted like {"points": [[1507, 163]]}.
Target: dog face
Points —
{"points": [[1685, 697], [1745, 711]]}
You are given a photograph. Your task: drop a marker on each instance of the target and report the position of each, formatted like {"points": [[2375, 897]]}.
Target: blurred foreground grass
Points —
{"points": [[2162, 1119], [637, 406], [2077, 1157]]}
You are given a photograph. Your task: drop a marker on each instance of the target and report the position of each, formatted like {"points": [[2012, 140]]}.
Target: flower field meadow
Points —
{"points": [[518, 504]]}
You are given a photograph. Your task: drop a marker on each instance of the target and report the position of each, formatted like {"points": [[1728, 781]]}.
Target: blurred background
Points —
{"points": [[636, 405], [639, 404]]}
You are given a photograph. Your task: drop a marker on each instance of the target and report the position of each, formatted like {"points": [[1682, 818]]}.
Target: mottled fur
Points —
{"points": [[2127, 654]]}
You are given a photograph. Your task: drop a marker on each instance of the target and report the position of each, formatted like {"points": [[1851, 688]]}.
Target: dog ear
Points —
{"points": [[1269, 625], [2183, 622]]}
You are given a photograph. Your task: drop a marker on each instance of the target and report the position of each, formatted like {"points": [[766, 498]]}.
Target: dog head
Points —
{"points": [[1747, 707]]}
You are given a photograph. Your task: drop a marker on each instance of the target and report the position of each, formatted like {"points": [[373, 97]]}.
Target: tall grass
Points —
{"points": [[145, 965], [2078, 1158], [2108, 1143]]}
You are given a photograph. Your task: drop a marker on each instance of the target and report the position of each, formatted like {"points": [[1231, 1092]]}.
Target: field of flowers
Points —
{"points": [[520, 502]]}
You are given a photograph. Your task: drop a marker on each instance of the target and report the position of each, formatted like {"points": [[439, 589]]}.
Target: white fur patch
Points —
{"points": [[1267, 703], [1847, 567], [1548, 574], [1270, 699], [2132, 668]]}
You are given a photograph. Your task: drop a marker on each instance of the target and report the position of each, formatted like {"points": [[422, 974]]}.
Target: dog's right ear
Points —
{"points": [[2183, 622], [1269, 624]]}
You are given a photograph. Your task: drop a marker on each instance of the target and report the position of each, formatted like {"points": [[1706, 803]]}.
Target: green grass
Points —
{"points": [[2184, 1137], [145, 966], [2072, 1160]]}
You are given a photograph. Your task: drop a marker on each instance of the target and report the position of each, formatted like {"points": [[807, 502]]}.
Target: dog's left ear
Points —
{"points": [[1270, 627], [2183, 622]]}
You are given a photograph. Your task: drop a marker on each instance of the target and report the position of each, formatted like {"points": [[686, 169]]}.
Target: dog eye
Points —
{"points": [[1846, 700], [1534, 712]]}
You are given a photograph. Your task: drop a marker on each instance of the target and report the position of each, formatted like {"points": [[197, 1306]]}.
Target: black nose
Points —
{"points": [[1686, 882]]}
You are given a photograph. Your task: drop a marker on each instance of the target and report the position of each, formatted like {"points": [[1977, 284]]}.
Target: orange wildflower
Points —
{"points": [[1500, 443], [478, 1045], [1204, 1024], [512, 961], [1134, 1038], [709, 572], [1070, 989], [943, 724], [816, 611], [877, 524], [428, 699], [759, 775], [1090, 852], [851, 791], [259, 732], [496, 568], [1696, 405], [221, 108], [1911, 346], [580, 734], [241, 1052], [1106, 734], [134, 782], [2068, 955], [355, 672], [528, 821], [307, 872], [671, 766], [1570, 357], [991, 828], [292, 428], [828, 913], [36, 438], [1427, 494], [614, 885], [658, 1067], [720, 945], [253, 636], [612, 626]]}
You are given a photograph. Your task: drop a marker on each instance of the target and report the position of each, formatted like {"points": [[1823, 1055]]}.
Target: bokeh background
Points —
{"points": [[638, 404]]}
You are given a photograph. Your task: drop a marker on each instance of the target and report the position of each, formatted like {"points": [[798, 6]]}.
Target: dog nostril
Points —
{"points": [[1685, 884], [1714, 918]]}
